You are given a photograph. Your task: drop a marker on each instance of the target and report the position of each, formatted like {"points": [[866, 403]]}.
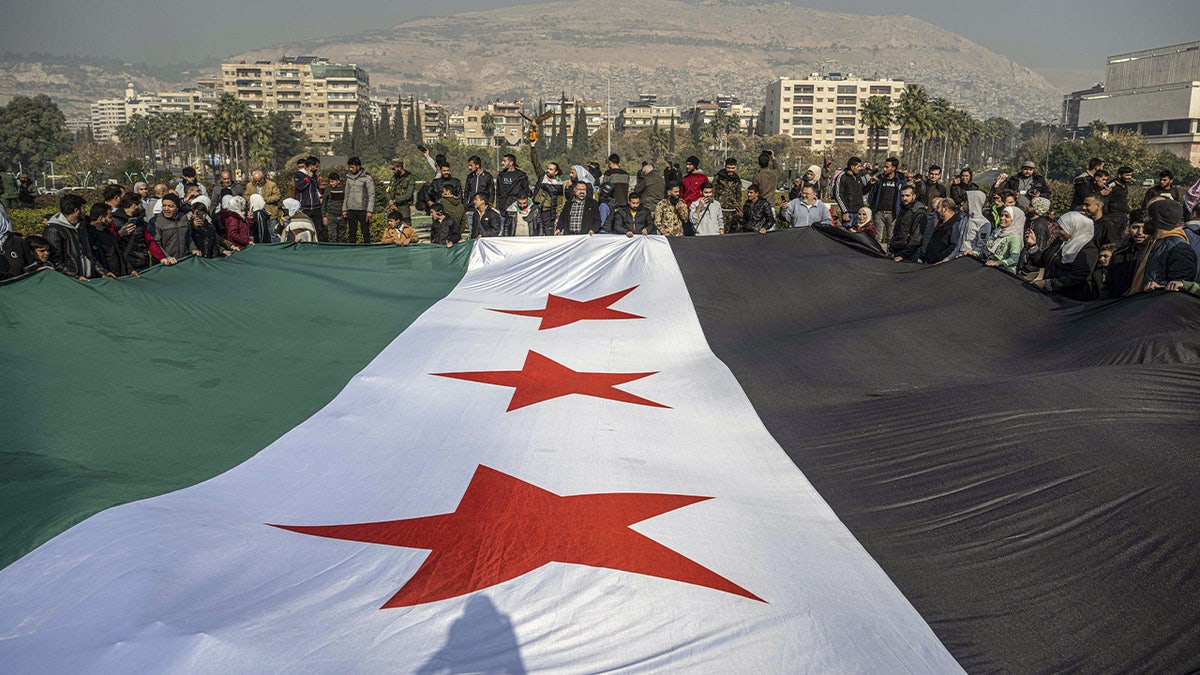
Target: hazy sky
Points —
{"points": [[1065, 39]]}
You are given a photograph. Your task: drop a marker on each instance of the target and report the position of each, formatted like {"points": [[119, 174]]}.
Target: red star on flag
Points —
{"points": [[560, 311], [542, 379], [504, 528]]}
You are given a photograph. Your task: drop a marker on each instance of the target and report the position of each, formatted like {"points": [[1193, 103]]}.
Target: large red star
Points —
{"points": [[560, 311], [542, 379], [504, 528]]}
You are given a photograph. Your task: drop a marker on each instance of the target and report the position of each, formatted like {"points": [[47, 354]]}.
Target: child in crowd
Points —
{"points": [[1100, 274], [399, 231], [41, 252]]}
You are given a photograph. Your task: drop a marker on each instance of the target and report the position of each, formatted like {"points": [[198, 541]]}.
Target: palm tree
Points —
{"points": [[912, 114], [875, 114], [939, 123]]}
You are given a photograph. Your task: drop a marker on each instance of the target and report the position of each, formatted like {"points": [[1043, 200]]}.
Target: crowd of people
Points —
{"points": [[1100, 248]]}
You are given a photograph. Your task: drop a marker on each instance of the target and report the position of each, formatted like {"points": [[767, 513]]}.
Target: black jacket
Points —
{"points": [[622, 220], [1110, 229], [509, 186], [481, 182], [445, 232], [70, 250], [758, 215], [1073, 279], [1038, 185], [591, 217], [15, 256], [490, 224], [848, 193], [1082, 187], [106, 249], [958, 192], [941, 243], [909, 231], [1122, 267], [432, 192], [206, 240], [928, 191]]}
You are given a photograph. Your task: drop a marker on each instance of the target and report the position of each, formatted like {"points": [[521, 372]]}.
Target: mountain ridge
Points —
{"points": [[680, 51]]}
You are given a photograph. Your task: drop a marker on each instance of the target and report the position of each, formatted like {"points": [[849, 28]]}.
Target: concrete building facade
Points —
{"points": [[820, 111], [1155, 93]]}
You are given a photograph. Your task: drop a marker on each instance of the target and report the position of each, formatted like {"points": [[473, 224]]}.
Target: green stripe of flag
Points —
{"points": [[120, 390]]}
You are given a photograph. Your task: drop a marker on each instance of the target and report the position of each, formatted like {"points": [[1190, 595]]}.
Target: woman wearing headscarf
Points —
{"points": [[1069, 260], [579, 174], [1171, 261], [1003, 247], [297, 226], [233, 219], [866, 224], [260, 221]]}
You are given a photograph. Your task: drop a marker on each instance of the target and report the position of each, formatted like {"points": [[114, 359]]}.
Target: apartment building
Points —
{"points": [[108, 114], [320, 96], [645, 113], [820, 111]]}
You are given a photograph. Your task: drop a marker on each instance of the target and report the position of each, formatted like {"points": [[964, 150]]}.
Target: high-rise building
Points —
{"points": [[1155, 92], [320, 96], [820, 111]]}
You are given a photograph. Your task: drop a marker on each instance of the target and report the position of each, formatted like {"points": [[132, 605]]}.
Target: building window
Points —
{"points": [[1152, 128], [1179, 126], [847, 89]]}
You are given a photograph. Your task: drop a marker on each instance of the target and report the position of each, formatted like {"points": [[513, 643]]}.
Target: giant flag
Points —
{"points": [[757, 453]]}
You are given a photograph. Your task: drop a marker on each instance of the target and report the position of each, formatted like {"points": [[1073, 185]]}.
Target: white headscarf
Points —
{"points": [[203, 200], [291, 206], [5, 225], [584, 175], [238, 205], [1014, 229], [1081, 228], [816, 172], [227, 203], [257, 203]]}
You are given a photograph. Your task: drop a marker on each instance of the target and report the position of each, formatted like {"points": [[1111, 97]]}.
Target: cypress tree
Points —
{"points": [[671, 146], [414, 129], [397, 125]]}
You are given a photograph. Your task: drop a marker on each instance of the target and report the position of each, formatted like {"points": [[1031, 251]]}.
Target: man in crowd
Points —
{"points": [[942, 243], [261, 185], [757, 213], [171, 227], [619, 179], [848, 192], [1109, 227], [649, 186], [138, 244], [1165, 187], [1085, 183], [909, 231], [767, 176], [511, 182], [105, 243], [1027, 184], [477, 181], [70, 250], [631, 219], [400, 191], [360, 201], [727, 189], [884, 199], [581, 215], [705, 213], [487, 221], [225, 187], [308, 192], [1118, 198], [188, 177], [691, 188], [931, 187], [1124, 262], [806, 210]]}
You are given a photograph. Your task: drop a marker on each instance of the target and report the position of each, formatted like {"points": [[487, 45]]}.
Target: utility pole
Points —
{"points": [[608, 114]]}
